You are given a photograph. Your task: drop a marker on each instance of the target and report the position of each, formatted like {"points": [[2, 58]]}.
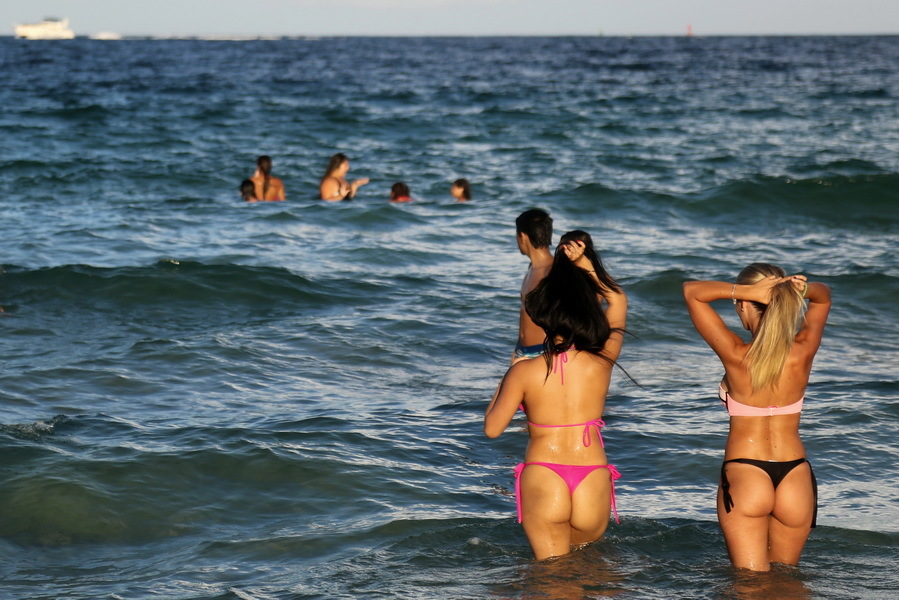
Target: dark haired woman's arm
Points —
{"points": [[616, 313], [575, 251], [506, 400]]}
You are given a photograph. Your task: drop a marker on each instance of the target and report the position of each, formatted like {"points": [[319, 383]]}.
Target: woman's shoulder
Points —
{"points": [[529, 368], [528, 364]]}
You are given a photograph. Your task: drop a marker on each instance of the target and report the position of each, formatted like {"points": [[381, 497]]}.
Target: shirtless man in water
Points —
{"points": [[534, 231]]}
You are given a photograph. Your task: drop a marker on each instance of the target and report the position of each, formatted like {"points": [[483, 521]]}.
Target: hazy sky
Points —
{"points": [[459, 17]]}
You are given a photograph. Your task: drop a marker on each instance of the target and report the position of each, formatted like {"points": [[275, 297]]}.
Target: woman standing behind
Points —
{"points": [[767, 497], [564, 489], [334, 186], [267, 187]]}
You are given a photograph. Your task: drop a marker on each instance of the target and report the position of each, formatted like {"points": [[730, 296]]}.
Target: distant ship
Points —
{"points": [[48, 29]]}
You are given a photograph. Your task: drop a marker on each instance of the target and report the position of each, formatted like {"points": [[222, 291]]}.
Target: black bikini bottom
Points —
{"points": [[775, 470]]}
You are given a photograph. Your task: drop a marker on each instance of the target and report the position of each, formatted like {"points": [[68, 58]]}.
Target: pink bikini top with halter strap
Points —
{"points": [[595, 424]]}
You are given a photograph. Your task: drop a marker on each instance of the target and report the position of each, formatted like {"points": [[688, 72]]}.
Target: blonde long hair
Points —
{"points": [[777, 326]]}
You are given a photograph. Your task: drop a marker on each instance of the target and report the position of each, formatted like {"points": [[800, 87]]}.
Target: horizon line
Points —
{"points": [[276, 36]]}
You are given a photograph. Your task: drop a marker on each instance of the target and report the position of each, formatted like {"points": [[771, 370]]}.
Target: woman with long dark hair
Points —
{"points": [[767, 494], [564, 487], [334, 186], [268, 187]]}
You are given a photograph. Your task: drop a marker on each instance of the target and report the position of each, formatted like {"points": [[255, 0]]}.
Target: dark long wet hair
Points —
{"points": [[265, 167], [605, 280], [336, 160], [566, 307]]}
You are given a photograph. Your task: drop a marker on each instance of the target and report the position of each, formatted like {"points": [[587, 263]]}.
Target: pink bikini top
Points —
{"points": [[597, 424], [738, 409]]}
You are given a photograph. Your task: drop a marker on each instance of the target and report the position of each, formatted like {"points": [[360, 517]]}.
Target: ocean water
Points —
{"points": [[206, 399]]}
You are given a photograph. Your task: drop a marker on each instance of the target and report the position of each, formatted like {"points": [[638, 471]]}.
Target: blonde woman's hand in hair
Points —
{"points": [[800, 282], [760, 291]]}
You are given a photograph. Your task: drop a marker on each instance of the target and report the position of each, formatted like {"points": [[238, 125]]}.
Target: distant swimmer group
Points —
{"points": [[570, 334], [334, 186]]}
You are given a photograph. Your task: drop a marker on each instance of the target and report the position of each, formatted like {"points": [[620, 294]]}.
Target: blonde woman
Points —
{"points": [[767, 496]]}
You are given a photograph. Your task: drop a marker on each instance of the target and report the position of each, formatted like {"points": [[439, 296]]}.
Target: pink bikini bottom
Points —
{"points": [[572, 475]]}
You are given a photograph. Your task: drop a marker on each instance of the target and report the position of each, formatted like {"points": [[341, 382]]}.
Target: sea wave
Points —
{"points": [[867, 200], [180, 286]]}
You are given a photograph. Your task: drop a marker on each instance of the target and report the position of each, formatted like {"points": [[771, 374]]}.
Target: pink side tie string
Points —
{"points": [[518, 469], [597, 424], [613, 472]]}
